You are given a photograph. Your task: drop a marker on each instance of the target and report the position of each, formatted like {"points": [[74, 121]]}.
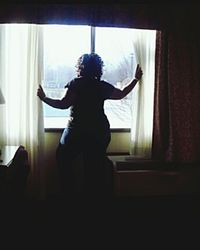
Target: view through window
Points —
{"points": [[63, 45]]}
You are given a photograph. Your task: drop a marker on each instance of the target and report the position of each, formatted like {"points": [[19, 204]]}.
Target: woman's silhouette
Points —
{"points": [[88, 130]]}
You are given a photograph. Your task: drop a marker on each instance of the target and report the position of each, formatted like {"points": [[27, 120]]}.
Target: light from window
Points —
{"points": [[63, 44], [115, 45]]}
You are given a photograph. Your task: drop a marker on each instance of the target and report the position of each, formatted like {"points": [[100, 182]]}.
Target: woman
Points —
{"points": [[88, 130]]}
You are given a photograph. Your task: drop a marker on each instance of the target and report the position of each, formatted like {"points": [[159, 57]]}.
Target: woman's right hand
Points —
{"points": [[138, 73], [40, 93]]}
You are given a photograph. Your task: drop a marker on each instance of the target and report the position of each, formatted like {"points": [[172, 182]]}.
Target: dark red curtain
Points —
{"points": [[176, 134], [161, 101]]}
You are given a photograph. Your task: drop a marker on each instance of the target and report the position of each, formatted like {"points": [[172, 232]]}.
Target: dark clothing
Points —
{"points": [[88, 133], [87, 113]]}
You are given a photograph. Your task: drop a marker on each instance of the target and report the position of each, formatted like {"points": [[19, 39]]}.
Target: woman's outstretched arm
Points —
{"points": [[63, 103], [118, 94]]}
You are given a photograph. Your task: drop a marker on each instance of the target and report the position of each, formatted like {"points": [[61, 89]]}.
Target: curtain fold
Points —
{"points": [[142, 97], [21, 68], [176, 130], [161, 128]]}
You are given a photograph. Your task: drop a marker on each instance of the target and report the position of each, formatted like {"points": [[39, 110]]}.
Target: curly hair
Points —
{"points": [[90, 65]]}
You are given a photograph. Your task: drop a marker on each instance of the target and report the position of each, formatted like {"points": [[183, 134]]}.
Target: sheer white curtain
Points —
{"points": [[142, 96], [21, 69]]}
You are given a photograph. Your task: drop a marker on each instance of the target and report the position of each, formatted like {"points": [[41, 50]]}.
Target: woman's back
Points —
{"points": [[87, 110]]}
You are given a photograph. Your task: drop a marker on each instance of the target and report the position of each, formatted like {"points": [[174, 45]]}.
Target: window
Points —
{"points": [[63, 44], [116, 49]]}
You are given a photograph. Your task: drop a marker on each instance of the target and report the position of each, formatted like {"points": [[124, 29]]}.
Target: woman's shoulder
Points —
{"points": [[72, 82], [106, 84]]}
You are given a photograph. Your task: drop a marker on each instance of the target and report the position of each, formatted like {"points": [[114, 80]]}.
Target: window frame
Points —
{"points": [[92, 50]]}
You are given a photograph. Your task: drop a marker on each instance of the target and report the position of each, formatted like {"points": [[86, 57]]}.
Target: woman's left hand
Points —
{"points": [[40, 93]]}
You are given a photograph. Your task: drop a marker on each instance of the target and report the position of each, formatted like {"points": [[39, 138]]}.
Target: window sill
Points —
{"points": [[113, 130], [57, 124]]}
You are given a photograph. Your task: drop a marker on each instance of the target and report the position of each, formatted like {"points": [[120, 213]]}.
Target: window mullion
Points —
{"points": [[92, 39]]}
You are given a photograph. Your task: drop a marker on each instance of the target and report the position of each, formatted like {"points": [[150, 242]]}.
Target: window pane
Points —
{"points": [[115, 46], [63, 45]]}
